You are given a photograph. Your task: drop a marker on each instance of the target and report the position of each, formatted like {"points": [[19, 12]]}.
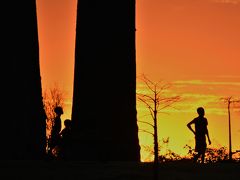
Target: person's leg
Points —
{"points": [[203, 156], [195, 158]]}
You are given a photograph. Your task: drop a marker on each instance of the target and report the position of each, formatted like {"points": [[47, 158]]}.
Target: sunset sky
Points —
{"points": [[194, 45]]}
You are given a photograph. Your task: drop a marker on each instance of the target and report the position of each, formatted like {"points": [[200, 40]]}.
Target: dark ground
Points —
{"points": [[116, 171]]}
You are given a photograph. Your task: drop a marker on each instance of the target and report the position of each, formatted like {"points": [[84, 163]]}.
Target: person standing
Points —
{"points": [[66, 139], [56, 128], [200, 132]]}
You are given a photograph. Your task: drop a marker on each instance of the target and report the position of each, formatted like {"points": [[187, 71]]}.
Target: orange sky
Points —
{"points": [[56, 24], [195, 45]]}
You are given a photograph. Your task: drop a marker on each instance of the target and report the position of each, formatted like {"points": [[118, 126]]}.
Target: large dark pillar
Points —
{"points": [[104, 99], [23, 121]]}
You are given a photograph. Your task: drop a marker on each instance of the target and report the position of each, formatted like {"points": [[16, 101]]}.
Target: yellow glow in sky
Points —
{"points": [[194, 45]]}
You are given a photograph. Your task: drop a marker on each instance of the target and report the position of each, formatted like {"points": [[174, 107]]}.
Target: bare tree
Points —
{"points": [[229, 100], [52, 98], [155, 101]]}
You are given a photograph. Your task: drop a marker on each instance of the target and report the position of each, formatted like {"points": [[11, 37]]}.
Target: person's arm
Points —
{"points": [[58, 125], [62, 132], [190, 127], [207, 133], [209, 141]]}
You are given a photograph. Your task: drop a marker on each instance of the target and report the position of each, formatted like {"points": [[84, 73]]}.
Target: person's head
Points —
{"points": [[67, 123], [58, 110], [201, 111]]}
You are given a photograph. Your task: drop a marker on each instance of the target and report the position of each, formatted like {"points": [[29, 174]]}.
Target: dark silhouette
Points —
{"points": [[56, 128], [104, 112], [23, 134], [200, 132], [155, 102], [66, 139]]}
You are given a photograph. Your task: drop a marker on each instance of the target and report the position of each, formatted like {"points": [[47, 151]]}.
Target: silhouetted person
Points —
{"points": [[200, 132], [66, 135], [55, 133]]}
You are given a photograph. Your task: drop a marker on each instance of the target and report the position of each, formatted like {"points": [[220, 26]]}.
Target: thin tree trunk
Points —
{"points": [[229, 130]]}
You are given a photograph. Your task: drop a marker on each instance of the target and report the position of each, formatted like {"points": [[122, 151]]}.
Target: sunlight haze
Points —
{"points": [[194, 45]]}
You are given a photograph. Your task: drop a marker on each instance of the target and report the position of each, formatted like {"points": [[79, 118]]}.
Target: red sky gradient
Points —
{"points": [[195, 45]]}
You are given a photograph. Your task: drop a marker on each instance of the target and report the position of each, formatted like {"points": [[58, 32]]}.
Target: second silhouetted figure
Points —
{"points": [[66, 139]]}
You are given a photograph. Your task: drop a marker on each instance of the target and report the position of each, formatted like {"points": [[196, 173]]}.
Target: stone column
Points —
{"points": [[104, 98], [23, 121]]}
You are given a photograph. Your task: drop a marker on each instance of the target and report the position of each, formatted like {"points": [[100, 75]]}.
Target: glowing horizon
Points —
{"points": [[192, 45]]}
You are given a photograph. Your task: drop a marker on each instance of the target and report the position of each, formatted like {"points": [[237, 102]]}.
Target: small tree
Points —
{"points": [[155, 101], [213, 155], [52, 98], [168, 156]]}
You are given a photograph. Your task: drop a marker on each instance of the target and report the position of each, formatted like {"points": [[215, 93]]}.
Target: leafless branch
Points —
{"points": [[145, 96], [146, 103], [156, 100], [147, 82], [142, 130], [146, 123], [230, 99], [151, 112], [51, 98]]}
